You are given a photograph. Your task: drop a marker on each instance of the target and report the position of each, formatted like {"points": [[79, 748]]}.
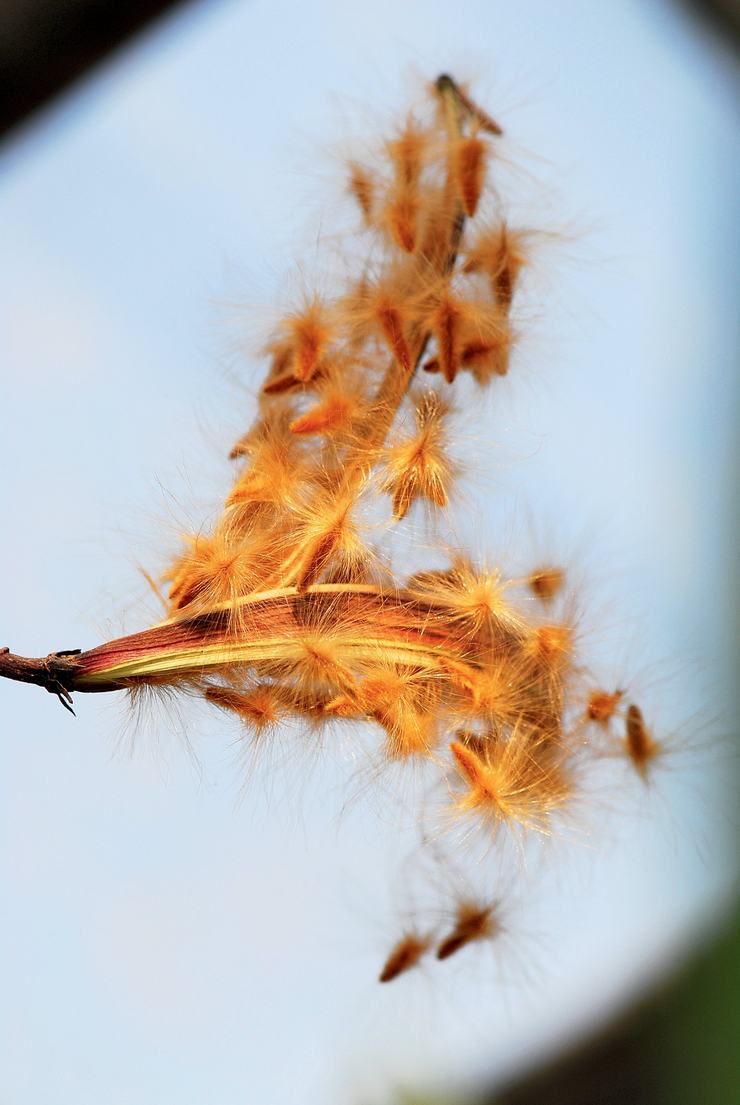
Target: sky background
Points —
{"points": [[167, 935]]}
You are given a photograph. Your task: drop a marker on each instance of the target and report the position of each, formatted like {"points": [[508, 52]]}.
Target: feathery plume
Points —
{"points": [[285, 609]]}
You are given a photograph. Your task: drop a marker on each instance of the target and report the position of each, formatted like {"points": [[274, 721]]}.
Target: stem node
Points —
{"points": [[55, 672]]}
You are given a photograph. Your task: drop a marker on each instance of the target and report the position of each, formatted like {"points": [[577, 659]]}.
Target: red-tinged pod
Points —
{"points": [[362, 619]]}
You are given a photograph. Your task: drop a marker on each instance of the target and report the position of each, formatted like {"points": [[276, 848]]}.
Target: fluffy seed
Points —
{"points": [[407, 154], [362, 187], [501, 254], [640, 745], [402, 216], [404, 955], [418, 467], [514, 780], [473, 923], [602, 706], [546, 582], [334, 412], [392, 326], [310, 333], [470, 168], [258, 708]]}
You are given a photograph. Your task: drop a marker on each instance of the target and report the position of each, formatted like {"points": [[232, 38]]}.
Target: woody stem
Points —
{"points": [[55, 672]]}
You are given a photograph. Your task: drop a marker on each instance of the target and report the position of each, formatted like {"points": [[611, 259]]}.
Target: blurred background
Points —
{"points": [[171, 930]]}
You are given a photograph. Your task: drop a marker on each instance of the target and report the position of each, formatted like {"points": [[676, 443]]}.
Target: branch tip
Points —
{"points": [[55, 672]]}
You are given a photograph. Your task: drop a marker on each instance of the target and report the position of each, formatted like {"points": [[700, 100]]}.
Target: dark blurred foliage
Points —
{"points": [[721, 15], [47, 44], [680, 1046]]}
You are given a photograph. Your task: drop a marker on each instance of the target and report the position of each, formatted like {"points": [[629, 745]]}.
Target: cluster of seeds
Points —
{"points": [[473, 922], [287, 610]]}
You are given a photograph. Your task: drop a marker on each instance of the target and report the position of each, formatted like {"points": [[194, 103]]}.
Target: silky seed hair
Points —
{"points": [[286, 609]]}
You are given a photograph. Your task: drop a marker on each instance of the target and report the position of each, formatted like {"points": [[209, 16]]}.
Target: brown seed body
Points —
{"points": [[446, 327], [362, 187], [470, 170], [641, 746], [391, 325], [602, 706], [473, 923], [545, 583], [405, 955], [403, 214]]}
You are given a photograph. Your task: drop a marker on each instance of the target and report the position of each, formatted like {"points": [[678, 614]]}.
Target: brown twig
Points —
{"points": [[55, 672]]}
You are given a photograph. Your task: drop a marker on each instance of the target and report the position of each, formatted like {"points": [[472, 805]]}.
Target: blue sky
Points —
{"points": [[166, 937]]}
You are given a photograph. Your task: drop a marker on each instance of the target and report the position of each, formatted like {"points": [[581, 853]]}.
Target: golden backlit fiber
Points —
{"points": [[288, 607]]}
